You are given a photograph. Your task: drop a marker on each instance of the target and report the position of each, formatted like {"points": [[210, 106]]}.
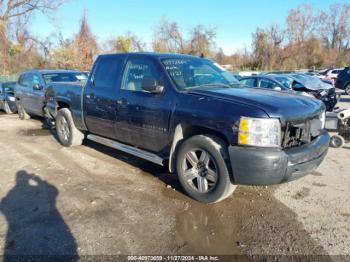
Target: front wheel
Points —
{"points": [[7, 108], [68, 134], [23, 115], [201, 164]]}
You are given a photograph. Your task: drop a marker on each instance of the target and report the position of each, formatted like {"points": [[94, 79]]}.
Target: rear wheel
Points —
{"points": [[347, 89], [23, 115], [201, 164], [68, 134]]}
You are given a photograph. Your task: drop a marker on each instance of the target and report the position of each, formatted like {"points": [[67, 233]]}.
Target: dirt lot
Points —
{"points": [[92, 200]]}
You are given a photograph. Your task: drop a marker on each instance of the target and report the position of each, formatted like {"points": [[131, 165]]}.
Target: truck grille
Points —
{"points": [[298, 133]]}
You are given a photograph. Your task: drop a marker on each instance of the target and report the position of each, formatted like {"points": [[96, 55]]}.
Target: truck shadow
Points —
{"points": [[35, 226], [157, 171]]}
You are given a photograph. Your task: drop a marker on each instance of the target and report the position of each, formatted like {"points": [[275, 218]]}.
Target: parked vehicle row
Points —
{"points": [[296, 83], [189, 114], [343, 80], [7, 98]]}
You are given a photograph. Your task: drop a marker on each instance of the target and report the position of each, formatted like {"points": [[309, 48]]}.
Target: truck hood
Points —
{"points": [[275, 104]]}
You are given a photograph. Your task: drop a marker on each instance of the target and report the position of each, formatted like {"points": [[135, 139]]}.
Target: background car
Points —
{"points": [[343, 80], [303, 84], [7, 98], [32, 85]]}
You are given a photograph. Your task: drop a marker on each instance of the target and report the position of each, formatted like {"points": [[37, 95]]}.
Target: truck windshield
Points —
{"points": [[191, 73], [64, 77], [8, 88]]}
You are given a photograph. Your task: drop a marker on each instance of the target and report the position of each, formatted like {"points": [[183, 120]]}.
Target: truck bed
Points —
{"points": [[64, 94]]}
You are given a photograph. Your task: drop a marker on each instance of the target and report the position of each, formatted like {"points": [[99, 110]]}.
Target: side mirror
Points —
{"points": [[277, 88], [297, 85], [152, 85], [37, 87]]}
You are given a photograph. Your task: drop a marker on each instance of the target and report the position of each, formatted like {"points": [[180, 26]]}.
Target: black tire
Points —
{"points": [[7, 108], [68, 134], [337, 141], [347, 89], [217, 152], [23, 115]]}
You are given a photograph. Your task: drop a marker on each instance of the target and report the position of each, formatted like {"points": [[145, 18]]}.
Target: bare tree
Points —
{"points": [[336, 26], [202, 40], [302, 23], [85, 45], [169, 38]]}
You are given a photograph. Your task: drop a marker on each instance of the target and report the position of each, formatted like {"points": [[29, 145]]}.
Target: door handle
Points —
{"points": [[122, 102]]}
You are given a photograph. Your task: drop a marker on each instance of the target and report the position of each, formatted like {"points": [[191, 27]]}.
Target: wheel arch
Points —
{"points": [[183, 131]]}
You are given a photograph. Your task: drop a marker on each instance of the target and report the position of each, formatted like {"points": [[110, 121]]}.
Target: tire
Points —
{"points": [[68, 134], [7, 108], [23, 115], [347, 89], [337, 141], [201, 164]]}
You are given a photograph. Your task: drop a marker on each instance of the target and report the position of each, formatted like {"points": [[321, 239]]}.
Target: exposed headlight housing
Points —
{"points": [[262, 132]]}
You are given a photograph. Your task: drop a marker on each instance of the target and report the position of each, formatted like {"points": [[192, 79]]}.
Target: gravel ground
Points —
{"points": [[92, 200]]}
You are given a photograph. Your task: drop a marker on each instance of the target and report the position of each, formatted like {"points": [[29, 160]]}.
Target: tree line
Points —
{"points": [[309, 38]]}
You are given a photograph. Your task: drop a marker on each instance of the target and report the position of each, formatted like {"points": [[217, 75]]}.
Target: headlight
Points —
{"points": [[323, 119], [262, 132], [11, 98]]}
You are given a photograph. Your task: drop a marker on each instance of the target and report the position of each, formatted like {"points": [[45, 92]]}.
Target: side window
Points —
{"points": [[35, 79], [248, 82], [107, 71], [26, 80], [266, 83], [136, 70]]}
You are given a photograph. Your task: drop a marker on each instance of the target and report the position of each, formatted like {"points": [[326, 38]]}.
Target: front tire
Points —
{"points": [[202, 167], [23, 115], [68, 134], [7, 108]]}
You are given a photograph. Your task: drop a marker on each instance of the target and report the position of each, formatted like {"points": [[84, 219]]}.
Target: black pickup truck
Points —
{"points": [[189, 113]]}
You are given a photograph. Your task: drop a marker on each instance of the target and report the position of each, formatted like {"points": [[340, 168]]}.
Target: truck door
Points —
{"points": [[36, 94], [143, 117], [101, 94]]}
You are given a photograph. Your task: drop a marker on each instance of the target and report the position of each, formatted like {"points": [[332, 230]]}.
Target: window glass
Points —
{"points": [[190, 73], [107, 71], [136, 70], [250, 82], [9, 88], [35, 79], [27, 80], [266, 83], [64, 77]]}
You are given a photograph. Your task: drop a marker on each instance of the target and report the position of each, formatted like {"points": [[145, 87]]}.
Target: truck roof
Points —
{"points": [[52, 71], [152, 54]]}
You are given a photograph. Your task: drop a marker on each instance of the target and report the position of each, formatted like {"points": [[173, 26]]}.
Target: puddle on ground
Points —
{"points": [[36, 132], [251, 222]]}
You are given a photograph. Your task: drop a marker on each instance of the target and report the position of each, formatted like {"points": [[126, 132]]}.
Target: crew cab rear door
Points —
{"points": [[100, 95], [143, 117]]}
